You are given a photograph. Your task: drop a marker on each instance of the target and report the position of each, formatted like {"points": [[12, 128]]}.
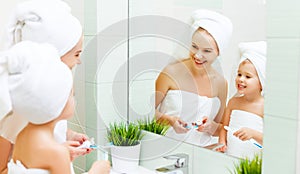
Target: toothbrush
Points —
{"points": [[251, 139], [194, 125], [91, 144]]}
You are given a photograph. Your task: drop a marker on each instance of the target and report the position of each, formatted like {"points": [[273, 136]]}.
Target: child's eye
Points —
{"points": [[207, 51], [239, 74], [248, 77]]}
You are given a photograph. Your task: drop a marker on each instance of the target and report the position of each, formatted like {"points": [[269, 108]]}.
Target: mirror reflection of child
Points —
{"points": [[244, 113], [40, 89], [191, 90]]}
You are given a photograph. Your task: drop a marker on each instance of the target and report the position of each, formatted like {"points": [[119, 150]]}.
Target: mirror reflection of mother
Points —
{"points": [[192, 90]]}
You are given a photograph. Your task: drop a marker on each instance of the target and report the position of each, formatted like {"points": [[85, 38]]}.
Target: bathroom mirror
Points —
{"points": [[152, 47]]}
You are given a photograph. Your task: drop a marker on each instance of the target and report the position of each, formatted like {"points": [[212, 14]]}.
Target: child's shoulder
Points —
{"points": [[234, 100]]}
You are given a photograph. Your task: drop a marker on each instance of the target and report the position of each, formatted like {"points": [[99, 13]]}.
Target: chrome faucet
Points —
{"points": [[180, 166]]}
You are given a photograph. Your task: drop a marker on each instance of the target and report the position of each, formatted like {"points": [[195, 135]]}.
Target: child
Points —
{"points": [[35, 20], [38, 85], [244, 113]]}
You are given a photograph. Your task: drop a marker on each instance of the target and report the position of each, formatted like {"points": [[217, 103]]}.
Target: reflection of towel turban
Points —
{"points": [[218, 25], [45, 21], [256, 53], [34, 82]]}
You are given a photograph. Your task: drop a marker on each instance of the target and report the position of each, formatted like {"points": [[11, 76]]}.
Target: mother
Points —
{"points": [[192, 90], [48, 21]]}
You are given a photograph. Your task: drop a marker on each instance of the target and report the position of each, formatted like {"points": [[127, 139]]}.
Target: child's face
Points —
{"points": [[247, 81], [204, 49]]}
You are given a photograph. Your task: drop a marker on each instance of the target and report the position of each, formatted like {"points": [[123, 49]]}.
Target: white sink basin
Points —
{"points": [[140, 170]]}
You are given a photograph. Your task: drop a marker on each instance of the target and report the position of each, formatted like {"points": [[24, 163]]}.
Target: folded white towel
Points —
{"points": [[218, 25], [256, 53], [37, 83], [45, 21]]}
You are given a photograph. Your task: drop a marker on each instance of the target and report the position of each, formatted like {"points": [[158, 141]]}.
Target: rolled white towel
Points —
{"points": [[38, 82]]}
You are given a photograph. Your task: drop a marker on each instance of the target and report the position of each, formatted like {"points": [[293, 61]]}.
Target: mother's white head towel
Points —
{"points": [[34, 82], [218, 25], [45, 21]]}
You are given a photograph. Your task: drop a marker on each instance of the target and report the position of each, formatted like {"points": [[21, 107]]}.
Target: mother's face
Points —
{"points": [[72, 58], [204, 49]]}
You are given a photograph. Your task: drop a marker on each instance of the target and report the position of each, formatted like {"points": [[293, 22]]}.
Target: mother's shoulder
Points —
{"points": [[175, 67]]}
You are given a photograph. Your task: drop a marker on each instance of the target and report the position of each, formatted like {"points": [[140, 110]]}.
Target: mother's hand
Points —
{"points": [[209, 126], [178, 125], [74, 151]]}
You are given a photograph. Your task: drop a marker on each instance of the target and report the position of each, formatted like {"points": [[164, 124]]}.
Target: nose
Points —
{"points": [[198, 55], [78, 61], [241, 78]]}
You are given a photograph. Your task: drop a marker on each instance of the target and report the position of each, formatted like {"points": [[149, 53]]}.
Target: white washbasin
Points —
{"points": [[140, 170]]}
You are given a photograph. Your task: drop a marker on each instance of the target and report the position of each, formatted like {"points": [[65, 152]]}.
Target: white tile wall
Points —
{"points": [[281, 134]]}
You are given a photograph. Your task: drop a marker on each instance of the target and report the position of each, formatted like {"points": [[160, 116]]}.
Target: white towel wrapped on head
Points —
{"points": [[216, 24], [256, 53], [38, 83], [45, 21]]}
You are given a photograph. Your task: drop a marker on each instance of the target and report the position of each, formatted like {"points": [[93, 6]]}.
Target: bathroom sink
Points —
{"points": [[140, 170]]}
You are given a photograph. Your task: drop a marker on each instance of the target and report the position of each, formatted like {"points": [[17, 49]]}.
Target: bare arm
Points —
{"points": [[225, 122], [162, 85], [223, 97], [247, 133], [5, 151]]}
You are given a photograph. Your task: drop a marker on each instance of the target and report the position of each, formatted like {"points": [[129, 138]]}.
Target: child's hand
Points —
{"points": [[244, 133], [222, 149], [102, 167]]}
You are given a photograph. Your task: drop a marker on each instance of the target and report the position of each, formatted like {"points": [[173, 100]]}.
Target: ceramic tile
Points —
{"points": [[77, 127], [149, 55], [141, 99], [282, 78], [298, 149], [78, 164], [77, 9], [112, 59], [91, 105], [80, 97], [154, 7], [283, 19], [112, 102], [280, 143], [90, 17], [196, 3], [112, 16], [89, 61]]}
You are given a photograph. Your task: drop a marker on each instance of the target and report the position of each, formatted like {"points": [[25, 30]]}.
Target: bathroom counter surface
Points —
{"points": [[140, 170]]}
